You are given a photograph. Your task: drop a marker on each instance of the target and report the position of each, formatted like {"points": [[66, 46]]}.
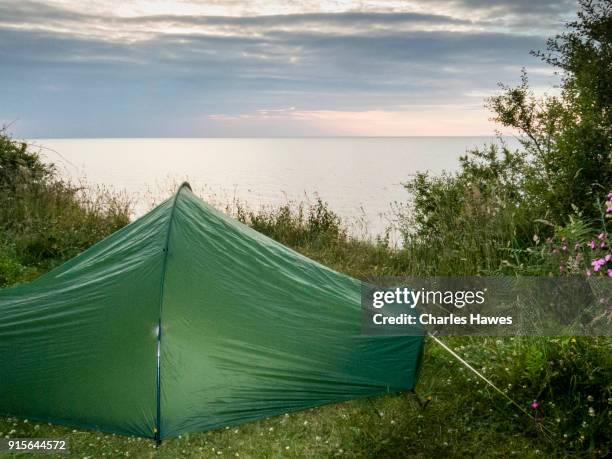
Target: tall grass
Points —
{"points": [[43, 218]]}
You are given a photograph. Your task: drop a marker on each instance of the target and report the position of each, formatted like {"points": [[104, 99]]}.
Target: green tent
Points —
{"points": [[187, 320]]}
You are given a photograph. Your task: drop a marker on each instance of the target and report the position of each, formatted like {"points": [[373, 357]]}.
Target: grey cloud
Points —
{"points": [[63, 82], [519, 6]]}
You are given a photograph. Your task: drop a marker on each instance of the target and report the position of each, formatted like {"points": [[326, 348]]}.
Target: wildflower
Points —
{"points": [[598, 263], [590, 398], [592, 244], [535, 405], [564, 248], [609, 272], [608, 257], [591, 412], [602, 236], [589, 273], [610, 195]]}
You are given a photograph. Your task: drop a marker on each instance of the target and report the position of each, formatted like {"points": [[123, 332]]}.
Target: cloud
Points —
{"points": [[417, 121], [178, 71]]}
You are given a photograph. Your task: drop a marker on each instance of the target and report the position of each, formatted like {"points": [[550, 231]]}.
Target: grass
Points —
{"points": [[47, 221], [464, 418], [457, 422]]}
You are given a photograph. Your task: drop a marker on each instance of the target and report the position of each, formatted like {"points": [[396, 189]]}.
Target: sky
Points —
{"points": [[266, 68]]}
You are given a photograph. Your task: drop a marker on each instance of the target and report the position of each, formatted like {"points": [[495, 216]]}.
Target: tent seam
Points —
{"points": [[161, 304]]}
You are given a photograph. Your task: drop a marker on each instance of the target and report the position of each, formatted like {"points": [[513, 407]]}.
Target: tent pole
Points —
{"points": [[158, 388], [159, 322]]}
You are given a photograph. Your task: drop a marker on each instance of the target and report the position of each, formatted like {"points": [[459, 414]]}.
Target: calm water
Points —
{"points": [[360, 177]]}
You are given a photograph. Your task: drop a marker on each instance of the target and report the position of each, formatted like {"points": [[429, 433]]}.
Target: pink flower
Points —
{"points": [[608, 257], [589, 273], [602, 236], [609, 208], [609, 272], [592, 244], [610, 195], [535, 405], [596, 264], [603, 245]]}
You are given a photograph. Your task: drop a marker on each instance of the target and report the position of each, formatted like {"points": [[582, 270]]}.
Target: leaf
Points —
{"points": [[545, 222]]}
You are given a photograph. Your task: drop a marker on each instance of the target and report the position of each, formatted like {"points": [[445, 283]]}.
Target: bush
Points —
{"points": [[461, 223], [295, 224], [499, 198], [45, 220]]}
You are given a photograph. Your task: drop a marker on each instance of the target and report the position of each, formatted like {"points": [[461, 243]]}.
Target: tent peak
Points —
{"points": [[183, 185]]}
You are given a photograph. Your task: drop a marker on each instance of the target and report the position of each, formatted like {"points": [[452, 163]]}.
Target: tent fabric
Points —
{"points": [[187, 320]]}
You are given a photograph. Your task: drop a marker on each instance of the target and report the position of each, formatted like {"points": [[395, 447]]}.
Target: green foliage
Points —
{"points": [[18, 166], [570, 379], [568, 137], [498, 199], [293, 225], [571, 249], [45, 220], [484, 203]]}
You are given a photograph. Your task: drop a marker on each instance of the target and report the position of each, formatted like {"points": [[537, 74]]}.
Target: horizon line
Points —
{"points": [[270, 137]]}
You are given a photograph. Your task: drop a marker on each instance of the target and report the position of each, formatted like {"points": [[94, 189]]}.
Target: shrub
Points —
{"points": [[499, 198], [45, 220]]}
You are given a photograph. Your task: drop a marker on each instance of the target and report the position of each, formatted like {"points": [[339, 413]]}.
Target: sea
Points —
{"points": [[361, 179]]}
